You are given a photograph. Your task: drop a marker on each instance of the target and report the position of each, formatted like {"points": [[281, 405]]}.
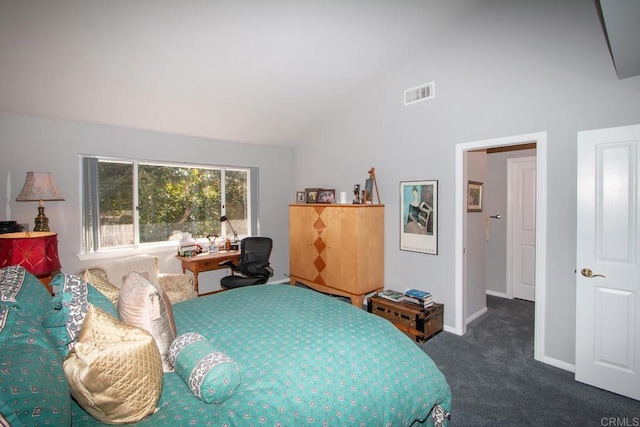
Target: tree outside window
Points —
{"points": [[129, 203]]}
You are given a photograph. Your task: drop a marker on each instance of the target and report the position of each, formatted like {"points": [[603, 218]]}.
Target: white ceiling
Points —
{"points": [[239, 70], [253, 71]]}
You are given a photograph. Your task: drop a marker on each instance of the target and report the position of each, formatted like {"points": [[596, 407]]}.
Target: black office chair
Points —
{"points": [[253, 266]]}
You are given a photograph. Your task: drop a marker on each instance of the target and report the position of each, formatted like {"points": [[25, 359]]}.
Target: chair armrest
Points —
{"points": [[179, 287], [258, 268], [228, 263]]}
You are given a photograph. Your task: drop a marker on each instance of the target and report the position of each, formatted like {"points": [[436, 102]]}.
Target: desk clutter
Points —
{"points": [[188, 246]]}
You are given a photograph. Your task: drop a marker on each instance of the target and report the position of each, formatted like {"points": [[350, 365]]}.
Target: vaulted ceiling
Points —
{"points": [[250, 71]]}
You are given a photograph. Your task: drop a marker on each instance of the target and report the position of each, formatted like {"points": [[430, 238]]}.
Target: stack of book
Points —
{"points": [[412, 296], [418, 297]]}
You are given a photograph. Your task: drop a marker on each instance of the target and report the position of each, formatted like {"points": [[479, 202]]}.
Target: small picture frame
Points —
{"points": [[301, 197], [326, 196], [311, 195], [474, 196], [368, 191]]}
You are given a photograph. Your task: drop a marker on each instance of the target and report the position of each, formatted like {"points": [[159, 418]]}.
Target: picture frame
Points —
{"points": [[311, 195], [368, 191], [419, 216], [326, 196], [301, 197], [474, 196]]}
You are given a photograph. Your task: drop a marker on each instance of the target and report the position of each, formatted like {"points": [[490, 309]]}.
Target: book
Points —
{"points": [[420, 303], [391, 295], [418, 294], [418, 297]]}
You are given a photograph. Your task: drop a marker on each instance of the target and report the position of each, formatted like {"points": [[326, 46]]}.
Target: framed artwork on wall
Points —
{"points": [[474, 196], [419, 216]]}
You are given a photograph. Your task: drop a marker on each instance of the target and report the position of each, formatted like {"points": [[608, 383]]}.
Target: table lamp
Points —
{"points": [[40, 186], [223, 219]]}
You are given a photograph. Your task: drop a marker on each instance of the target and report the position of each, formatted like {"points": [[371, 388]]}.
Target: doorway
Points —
{"points": [[460, 276]]}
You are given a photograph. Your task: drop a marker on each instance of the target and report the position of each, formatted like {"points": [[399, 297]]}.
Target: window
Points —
{"points": [[127, 203]]}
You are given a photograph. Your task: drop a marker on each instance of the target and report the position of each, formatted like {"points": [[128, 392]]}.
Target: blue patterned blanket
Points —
{"points": [[305, 359]]}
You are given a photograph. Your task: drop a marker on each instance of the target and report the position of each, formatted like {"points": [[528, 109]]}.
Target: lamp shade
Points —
{"points": [[37, 252], [39, 186]]}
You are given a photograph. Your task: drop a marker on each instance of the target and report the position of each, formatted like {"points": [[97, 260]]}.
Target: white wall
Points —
{"points": [[475, 241], [514, 67], [40, 144]]}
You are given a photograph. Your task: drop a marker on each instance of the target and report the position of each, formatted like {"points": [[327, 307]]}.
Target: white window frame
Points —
{"points": [[162, 246]]}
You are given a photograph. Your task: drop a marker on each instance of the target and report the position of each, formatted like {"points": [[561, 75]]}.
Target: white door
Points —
{"points": [[608, 270], [521, 226]]}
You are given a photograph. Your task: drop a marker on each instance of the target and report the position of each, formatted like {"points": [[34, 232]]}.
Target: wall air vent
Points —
{"points": [[420, 93]]}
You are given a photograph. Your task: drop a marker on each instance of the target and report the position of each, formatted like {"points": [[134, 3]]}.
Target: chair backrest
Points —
{"points": [[117, 269], [254, 251]]}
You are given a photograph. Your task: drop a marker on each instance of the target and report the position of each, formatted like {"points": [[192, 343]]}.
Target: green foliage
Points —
{"points": [[171, 199], [116, 192]]}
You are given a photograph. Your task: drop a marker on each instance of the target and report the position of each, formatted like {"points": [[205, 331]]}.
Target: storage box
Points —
{"points": [[418, 323]]}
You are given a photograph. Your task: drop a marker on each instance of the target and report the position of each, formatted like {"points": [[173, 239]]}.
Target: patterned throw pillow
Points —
{"points": [[114, 370], [70, 306], [142, 304], [101, 283], [33, 389], [23, 290], [212, 376]]}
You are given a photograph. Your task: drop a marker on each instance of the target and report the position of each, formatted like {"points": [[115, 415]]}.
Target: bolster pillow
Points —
{"points": [[211, 375]]}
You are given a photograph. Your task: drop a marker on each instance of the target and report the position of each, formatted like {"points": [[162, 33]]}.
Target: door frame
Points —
{"points": [[540, 138]]}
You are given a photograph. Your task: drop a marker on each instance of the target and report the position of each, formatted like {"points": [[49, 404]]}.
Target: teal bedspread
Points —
{"points": [[305, 359]]}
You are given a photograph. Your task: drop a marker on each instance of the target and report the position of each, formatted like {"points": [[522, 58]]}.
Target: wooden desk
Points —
{"points": [[206, 262]]}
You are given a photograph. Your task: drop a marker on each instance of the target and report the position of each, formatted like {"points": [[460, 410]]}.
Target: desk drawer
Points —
{"points": [[208, 264]]}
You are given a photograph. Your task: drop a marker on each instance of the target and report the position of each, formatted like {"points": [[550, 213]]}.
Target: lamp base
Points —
{"points": [[46, 279], [42, 222]]}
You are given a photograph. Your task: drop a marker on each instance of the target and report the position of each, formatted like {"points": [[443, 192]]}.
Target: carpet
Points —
{"points": [[495, 380]]}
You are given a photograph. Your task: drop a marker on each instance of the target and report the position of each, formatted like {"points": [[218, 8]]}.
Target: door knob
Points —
{"points": [[586, 272]]}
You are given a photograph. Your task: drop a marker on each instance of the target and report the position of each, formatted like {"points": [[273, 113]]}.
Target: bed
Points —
{"points": [[304, 359]]}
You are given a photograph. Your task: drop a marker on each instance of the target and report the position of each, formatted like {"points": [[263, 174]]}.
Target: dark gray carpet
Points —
{"points": [[496, 382]]}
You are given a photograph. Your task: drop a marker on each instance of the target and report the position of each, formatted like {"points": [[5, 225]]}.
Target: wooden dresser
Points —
{"points": [[337, 249]]}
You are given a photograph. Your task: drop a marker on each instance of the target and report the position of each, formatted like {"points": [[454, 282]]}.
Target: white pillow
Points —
{"points": [[142, 304]]}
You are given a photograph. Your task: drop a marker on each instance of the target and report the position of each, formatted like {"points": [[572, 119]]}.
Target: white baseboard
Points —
{"points": [[557, 363], [498, 294], [451, 330], [476, 315]]}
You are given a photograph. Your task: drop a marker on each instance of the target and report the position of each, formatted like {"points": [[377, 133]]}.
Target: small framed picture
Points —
{"points": [[326, 196], [311, 195], [301, 197], [474, 196], [368, 191]]}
